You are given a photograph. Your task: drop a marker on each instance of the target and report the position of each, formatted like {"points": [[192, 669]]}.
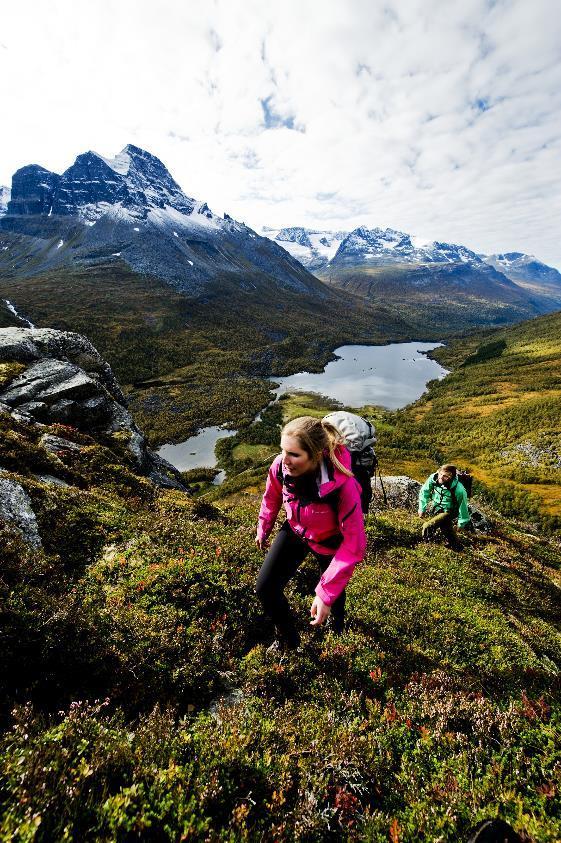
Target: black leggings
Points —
{"points": [[286, 554]]}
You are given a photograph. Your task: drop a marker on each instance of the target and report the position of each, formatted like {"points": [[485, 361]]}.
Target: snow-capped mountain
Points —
{"points": [[314, 249], [386, 247], [319, 250], [391, 265], [130, 209], [528, 272], [5, 194], [350, 260], [130, 185]]}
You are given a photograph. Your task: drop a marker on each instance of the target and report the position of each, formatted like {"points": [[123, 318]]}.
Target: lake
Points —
{"points": [[389, 376], [197, 451]]}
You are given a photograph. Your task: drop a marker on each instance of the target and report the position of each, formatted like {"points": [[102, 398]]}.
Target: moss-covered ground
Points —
{"points": [[138, 700]]}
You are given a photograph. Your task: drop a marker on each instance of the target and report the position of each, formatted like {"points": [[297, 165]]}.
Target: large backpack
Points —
{"points": [[466, 479], [359, 437]]}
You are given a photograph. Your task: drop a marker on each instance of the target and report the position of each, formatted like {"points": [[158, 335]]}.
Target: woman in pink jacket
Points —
{"points": [[313, 480]]}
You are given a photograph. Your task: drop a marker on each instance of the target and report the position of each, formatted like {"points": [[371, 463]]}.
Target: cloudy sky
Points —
{"points": [[437, 117]]}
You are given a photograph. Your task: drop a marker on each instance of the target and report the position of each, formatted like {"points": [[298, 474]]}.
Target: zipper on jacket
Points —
{"points": [[344, 518]]}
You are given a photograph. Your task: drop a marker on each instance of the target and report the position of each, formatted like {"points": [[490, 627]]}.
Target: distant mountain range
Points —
{"points": [[332, 255]]}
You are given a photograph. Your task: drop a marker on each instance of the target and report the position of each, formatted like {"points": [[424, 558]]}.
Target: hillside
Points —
{"points": [[139, 703], [446, 295], [497, 412], [190, 361]]}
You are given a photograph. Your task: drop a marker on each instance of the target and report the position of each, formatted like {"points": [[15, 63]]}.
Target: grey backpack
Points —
{"points": [[359, 437]]}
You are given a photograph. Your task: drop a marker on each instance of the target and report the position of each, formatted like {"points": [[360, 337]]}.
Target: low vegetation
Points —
{"points": [[137, 697], [139, 702]]}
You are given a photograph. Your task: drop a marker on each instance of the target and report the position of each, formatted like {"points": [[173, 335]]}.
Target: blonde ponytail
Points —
{"points": [[315, 437]]}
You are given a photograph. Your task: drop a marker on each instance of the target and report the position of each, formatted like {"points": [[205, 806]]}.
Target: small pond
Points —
{"points": [[197, 451]]}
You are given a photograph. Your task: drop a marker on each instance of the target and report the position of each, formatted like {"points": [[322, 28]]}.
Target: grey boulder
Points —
{"points": [[16, 511]]}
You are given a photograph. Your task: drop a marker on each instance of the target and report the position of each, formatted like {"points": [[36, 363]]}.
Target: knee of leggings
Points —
{"points": [[262, 589]]}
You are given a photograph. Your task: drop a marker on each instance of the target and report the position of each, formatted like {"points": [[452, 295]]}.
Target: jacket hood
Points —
{"points": [[331, 478]]}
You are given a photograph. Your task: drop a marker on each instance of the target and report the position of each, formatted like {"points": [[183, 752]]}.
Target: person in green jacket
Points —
{"points": [[443, 497]]}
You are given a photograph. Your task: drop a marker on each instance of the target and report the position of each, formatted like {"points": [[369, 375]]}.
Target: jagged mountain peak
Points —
{"points": [[130, 209], [132, 184]]}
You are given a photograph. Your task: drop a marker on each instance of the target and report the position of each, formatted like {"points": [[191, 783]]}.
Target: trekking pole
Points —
{"points": [[382, 485]]}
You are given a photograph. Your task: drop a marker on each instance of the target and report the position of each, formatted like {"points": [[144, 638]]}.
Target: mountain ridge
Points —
{"points": [[387, 262], [131, 209]]}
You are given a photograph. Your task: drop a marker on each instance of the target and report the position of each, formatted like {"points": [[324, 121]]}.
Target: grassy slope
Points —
{"points": [[438, 707]]}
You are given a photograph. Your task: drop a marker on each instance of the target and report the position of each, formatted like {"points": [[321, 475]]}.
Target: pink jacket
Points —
{"points": [[318, 521]]}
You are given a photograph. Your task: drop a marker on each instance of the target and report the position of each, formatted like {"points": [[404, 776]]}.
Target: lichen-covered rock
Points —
{"points": [[17, 512], [25, 345], [401, 491], [56, 444], [51, 480], [479, 520], [60, 378]]}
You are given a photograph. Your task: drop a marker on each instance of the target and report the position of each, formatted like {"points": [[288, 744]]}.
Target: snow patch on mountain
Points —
{"points": [[314, 249], [5, 194], [120, 163]]}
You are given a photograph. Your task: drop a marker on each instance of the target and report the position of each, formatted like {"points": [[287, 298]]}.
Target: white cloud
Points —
{"points": [[438, 119]]}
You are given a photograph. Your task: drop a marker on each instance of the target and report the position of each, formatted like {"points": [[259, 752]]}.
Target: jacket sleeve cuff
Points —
{"points": [[322, 593]]}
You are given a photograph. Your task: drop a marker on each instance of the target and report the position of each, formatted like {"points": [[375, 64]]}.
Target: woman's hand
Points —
{"points": [[261, 543], [320, 611]]}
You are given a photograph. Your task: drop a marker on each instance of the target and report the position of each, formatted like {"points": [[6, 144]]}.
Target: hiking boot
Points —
{"points": [[455, 545], [494, 831], [283, 642]]}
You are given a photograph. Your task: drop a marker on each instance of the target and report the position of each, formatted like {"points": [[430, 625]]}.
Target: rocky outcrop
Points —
{"points": [[402, 492], [66, 381]]}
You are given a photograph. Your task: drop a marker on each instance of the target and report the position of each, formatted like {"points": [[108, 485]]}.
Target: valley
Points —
{"points": [[135, 667]]}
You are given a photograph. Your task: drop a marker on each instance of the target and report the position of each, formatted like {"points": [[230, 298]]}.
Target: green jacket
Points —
{"points": [[451, 498]]}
